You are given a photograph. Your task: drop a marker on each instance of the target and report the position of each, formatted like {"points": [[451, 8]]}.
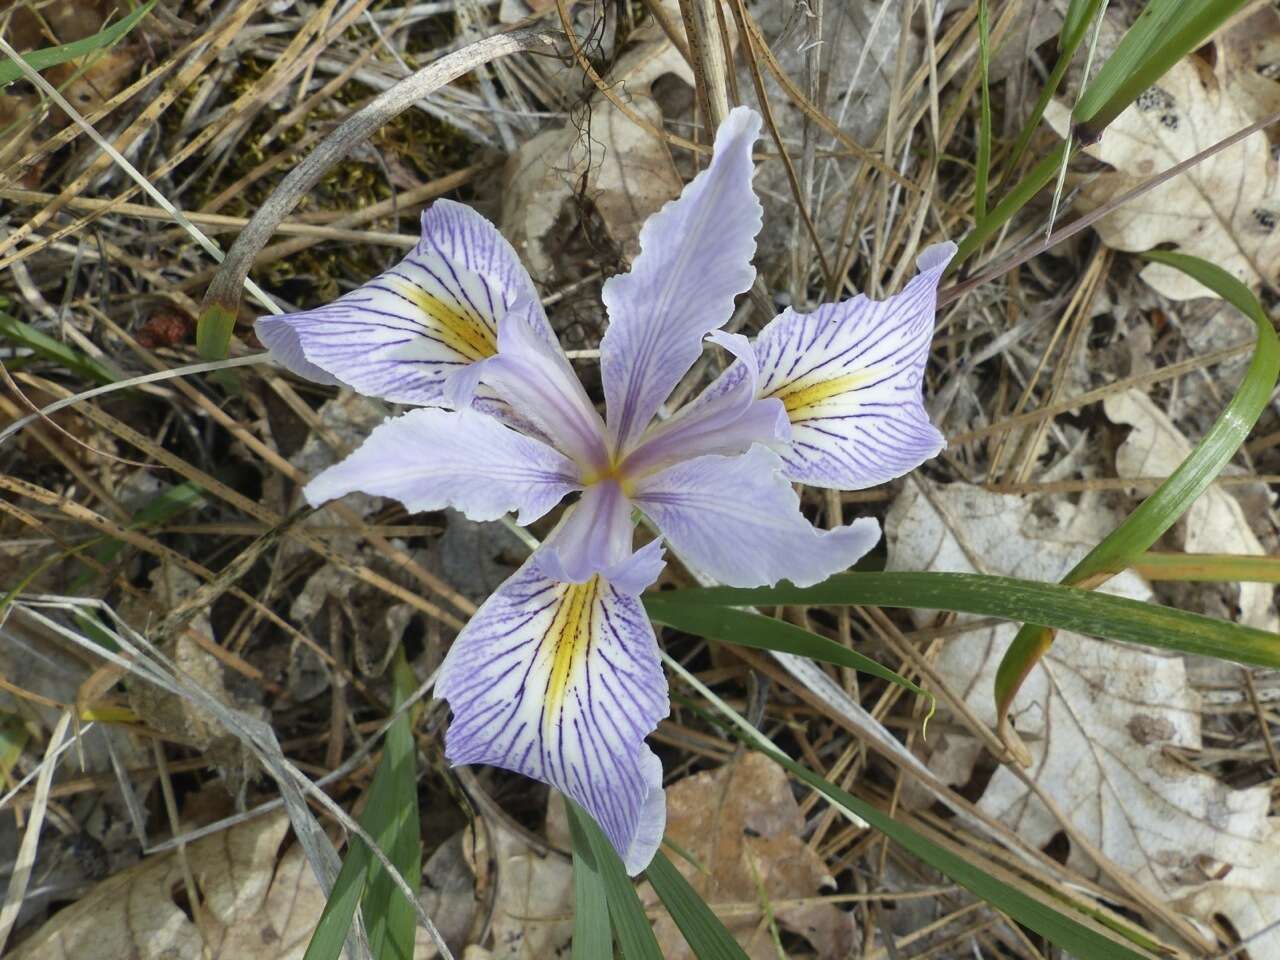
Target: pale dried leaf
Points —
{"points": [[622, 169], [1225, 209], [533, 901], [252, 907], [1095, 715]]}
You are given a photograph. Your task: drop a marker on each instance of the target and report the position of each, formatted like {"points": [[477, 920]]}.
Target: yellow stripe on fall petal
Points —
{"points": [[567, 641], [468, 336], [800, 397]]}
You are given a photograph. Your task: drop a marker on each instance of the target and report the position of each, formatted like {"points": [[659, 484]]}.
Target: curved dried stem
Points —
{"points": [[224, 289]]}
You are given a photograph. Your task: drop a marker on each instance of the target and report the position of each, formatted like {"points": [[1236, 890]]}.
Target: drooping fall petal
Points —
{"points": [[738, 520], [400, 335], [849, 375], [561, 682]]}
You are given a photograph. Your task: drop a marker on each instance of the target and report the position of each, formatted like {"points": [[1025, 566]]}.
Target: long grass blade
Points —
{"points": [[702, 929], [983, 170], [45, 346], [52, 56], [765, 633], [1164, 33], [592, 935], [391, 818], [630, 925], [389, 918], [1172, 498], [1026, 601]]}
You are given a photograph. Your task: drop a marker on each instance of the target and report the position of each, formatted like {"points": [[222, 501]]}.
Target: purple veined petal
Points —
{"points": [[738, 520], [430, 458], [727, 422], [849, 375], [533, 376], [695, 257], [561, 682], [401, 334]]}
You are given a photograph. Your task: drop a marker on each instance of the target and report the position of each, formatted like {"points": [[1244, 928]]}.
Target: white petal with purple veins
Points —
{"points": [[401, 334], [849, 375], [561, 682], [695, 258], [429, 459], [738, 520]]}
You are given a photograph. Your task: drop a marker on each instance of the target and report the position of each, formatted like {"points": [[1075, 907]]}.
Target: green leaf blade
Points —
{"points": [[630, 925], [699, 925]]}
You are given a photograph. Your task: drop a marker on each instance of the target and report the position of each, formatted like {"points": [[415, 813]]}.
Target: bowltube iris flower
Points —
{"points": [[557, 675]]}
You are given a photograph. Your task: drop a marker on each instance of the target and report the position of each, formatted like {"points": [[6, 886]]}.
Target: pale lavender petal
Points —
{"points": [[401, 334], [594, 537], [728, 422], [695, 258], [738, 520], [429, 459], [533, 375], [561, 682], [849, 375]]}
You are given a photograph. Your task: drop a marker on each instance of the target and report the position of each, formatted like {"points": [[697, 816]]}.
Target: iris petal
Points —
{"points": [[401, 334], [561, 682], [738, 520], [429, 459], [695, 258], [849, 376], [728, 422], [533, 376]]}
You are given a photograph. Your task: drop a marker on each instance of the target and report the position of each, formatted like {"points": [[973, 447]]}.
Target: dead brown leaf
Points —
{"points": [[622, 169], [742, 825]]}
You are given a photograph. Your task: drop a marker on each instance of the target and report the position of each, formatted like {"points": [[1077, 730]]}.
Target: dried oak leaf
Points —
{"points": [[1225, 209], [742, 825], [1096, 716]]}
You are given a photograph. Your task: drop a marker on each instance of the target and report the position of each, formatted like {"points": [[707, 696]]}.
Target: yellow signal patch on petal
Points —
{"points": [[802, 398], [467, 334], [566, 644]]}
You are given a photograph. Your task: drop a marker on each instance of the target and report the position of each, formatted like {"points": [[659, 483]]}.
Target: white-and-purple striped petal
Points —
{"points": [[429, 459], [849, 375], [400, 335], [561, 682], [738, 520], [695, 258]]}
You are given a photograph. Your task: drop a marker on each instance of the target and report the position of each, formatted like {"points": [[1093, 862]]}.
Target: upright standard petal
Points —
{"points": [[561, 682], [533, 376], [739, 520], [401, 334], [727, 423], [695, 258], [849, 375], [429, 459]]}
